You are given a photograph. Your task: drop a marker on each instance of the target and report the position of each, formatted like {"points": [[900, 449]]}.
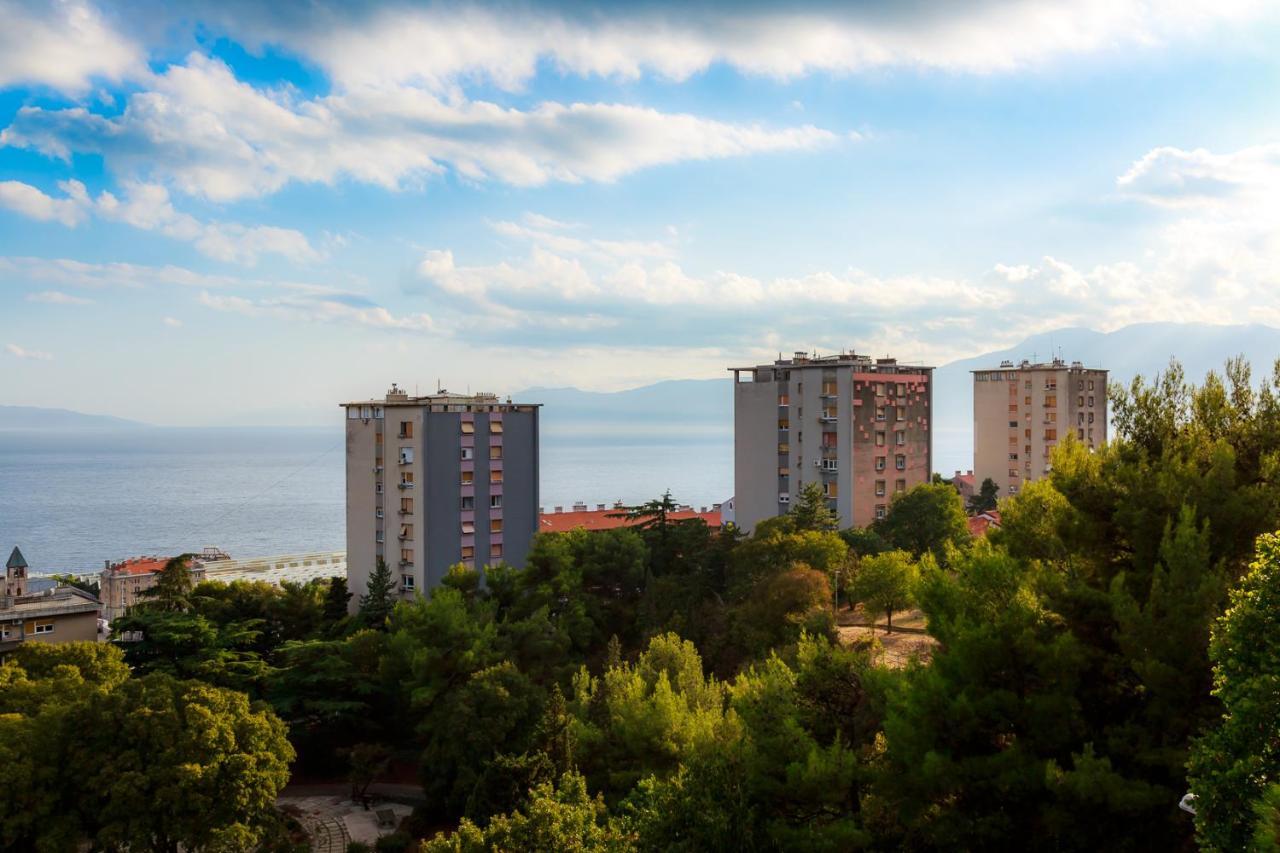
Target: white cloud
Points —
{"points": [[27, 354], [63, 44], [319, 308], [212, 135], [442, 46], [172, 322], [147, 206], [34, 204], [57, 297]]}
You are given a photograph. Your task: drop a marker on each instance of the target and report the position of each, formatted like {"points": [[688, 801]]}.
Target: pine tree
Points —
{"points": [[172, 590], [811, 511], [985, 498], [376, 603], [335, 601]]}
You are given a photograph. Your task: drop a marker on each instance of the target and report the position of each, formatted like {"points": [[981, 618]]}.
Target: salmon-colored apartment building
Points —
{"points": [[859, 427], [1021, 412]]}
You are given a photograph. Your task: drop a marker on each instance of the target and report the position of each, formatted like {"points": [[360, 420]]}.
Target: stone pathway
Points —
{"points": [[333, 821]]}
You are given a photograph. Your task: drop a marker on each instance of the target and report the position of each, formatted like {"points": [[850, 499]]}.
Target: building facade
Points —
{"points": [[1021, 412], [438, 480], [857, 426], [121, 585], [58, 614]]}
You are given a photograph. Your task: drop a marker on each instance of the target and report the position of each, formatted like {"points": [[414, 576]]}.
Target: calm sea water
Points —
{"points": [[72, 499]]}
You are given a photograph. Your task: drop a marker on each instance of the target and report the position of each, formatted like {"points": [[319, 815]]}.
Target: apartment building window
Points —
{"points": [[468, 453], [1080, 400], [1026, 449], [468, 528], [468, 477], [1026, 433], [1051, 417], [783, 423], [1080, 418], [880, 511], [406, 583], [783, 471], [495, 550], [879, 413], [784, 400], [1091, 417], [980, 377], [406, 456], [828, 389], [900, 462], [879, 389], [1090, 384], [377, 438], [467, 502], [879, 439], [495, 427], [880, 488], [495, 525], [406, 429], [1013, 424], [828, 439], [495, 501], [1013, 439], [1027, 385], [783, 448], [1050, 401], [1080, 385], [829, 489], [899, 487], [468, 552], [1013, 408], [43, 628], [1026, 401], [900, 437], [495, 451], [377, 513], [406, 555], [406, 479], [829, 413], [495, 476], [406, 531], [1090, 402], [1051, 435], [1013, 457], [1080, 433], [880, 463], [900, 412], [1013, 473], [468, 428], [377, 488]]}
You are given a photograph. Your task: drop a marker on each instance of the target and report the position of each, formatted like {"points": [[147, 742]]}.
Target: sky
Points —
{"points": [[233, 212]]}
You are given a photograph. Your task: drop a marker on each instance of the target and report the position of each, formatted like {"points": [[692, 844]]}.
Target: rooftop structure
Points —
{"points": [[56, 614], [859, 427]]}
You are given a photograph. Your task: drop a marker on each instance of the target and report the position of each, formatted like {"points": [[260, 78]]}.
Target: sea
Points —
{"points": [[72, 499]]}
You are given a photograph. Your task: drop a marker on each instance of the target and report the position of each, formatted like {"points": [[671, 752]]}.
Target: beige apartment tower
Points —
{"points": [[1020, 412], [857, 426]]}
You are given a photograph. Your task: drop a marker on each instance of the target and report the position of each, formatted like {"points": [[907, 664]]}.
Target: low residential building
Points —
{"points": [[61, 614], [963, 481], [984, 522], [122, 584], [608, 518]]}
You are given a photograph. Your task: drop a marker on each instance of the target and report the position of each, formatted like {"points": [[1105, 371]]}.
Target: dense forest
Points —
{"points": [[1112, 647]]}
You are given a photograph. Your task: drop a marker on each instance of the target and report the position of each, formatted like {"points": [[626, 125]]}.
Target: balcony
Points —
{"points": [[405, 485], [403, 511], [406, 563]]}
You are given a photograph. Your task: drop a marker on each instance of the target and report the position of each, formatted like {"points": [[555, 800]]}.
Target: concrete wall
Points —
{"points": [[755, 451]]}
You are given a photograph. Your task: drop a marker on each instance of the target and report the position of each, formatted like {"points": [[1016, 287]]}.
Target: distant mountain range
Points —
{"points": [[31, 417], [702, 409], [685, 411]]}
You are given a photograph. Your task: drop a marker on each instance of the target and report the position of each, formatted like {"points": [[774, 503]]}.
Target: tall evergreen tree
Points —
{"points": [[172, 590], [376, 603], [985, 498], [335, 601]]}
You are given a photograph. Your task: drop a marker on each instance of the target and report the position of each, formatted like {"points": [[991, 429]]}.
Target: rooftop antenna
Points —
{"points": [[438, 388]]}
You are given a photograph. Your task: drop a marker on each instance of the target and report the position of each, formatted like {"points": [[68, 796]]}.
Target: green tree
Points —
{"points": [[379, 597], [335, 601], [558, 817], [173, 586], [811, 511], [884, 583], [986, 498], [1233, 764], [926, 520], [187, 645], [91, 587]]}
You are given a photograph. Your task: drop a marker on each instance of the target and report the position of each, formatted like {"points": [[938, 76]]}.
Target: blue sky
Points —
{"points": [[230, 213]]}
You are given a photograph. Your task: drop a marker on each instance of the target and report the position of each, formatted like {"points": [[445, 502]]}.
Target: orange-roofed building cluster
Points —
{"points": [[608, 518], [122, 583]]}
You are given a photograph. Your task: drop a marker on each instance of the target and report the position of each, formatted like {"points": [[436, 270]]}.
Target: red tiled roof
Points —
{"points": [[967, 479], [980, 524], [140, 565], [608, 519]]}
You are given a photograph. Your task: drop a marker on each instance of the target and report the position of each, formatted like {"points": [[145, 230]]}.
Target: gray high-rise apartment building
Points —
{"points": [[438, 480], [860, 427], [1020, 412]]}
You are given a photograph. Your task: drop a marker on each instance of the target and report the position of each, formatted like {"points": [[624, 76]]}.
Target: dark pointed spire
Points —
{"points": [[16, 560]]}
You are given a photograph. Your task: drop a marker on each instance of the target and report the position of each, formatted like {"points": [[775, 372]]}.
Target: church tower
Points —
{"points": [[15, 575]]}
